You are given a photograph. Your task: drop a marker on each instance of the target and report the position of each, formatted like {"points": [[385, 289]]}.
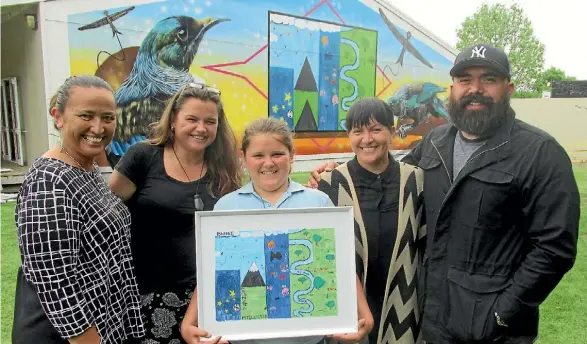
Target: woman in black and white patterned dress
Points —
{"points": [[76, 283]]}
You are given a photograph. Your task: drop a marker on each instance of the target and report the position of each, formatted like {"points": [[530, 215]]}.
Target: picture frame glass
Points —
{"points": [[276, 273]]}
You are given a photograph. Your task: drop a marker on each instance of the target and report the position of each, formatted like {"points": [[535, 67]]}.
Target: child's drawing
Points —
{"points": [[268, 274]]}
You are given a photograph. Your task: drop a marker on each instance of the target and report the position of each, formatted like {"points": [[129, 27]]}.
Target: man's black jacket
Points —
{"points": [[500, 236]]}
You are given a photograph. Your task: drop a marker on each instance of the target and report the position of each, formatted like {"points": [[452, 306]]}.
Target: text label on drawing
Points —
{"points": [[226, 234]]}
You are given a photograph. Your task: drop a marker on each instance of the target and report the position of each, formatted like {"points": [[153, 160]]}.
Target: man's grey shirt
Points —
{"points": [[463, 149]]}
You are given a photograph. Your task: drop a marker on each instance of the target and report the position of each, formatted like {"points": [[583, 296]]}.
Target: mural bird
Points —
{"points": [[160, 69], [108, 19], [414, 102], [405, 42]]}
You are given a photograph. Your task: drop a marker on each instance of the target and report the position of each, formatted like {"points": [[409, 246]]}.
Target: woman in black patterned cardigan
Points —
{"points": [[389, 229]]}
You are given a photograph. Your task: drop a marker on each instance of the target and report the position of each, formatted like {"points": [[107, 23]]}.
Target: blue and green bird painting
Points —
{"points": [[416, 102]]}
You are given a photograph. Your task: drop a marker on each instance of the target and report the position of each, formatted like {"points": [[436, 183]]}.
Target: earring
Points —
{"points": [[173, 129]]}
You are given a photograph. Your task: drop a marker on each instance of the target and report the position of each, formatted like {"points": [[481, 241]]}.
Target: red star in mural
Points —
{"points": [[218, 67]]}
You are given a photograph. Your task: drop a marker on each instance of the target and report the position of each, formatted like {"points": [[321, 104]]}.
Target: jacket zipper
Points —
{"points": [[487, 150], [443, 163], [446, 168]]}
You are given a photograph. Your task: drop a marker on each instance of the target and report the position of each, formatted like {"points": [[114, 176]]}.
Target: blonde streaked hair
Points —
{"points": [[269, 126], [220, 156]]}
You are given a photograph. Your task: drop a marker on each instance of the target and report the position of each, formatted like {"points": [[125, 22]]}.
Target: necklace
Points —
{"points": [[198, 203], [69, 155]]}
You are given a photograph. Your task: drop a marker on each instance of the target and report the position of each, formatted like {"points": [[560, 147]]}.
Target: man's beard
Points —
{"points": [[480, 123]]}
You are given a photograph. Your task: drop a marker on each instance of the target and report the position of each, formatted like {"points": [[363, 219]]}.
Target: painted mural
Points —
{"points": [[312, 87], [302, 61]]}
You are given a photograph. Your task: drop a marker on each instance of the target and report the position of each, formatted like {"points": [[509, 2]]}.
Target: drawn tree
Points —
{"points": [[510, 30], [330, 257], [298, 252], [302, 279], [319, 282], [330, 304], [316, 238]]}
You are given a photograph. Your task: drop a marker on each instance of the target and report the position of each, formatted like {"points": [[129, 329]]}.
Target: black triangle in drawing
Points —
{"points": [[253, 278], [306, 121], [306, 80]]}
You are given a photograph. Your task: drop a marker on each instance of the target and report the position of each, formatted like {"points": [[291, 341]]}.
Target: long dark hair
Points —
{"points": [[220, 156]]}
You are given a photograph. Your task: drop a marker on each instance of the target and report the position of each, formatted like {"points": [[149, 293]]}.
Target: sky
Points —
{"points": [[559, 24]]}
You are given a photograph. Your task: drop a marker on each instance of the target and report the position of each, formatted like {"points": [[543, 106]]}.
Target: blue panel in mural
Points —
{"points": [[281, 94], [328, 81]]}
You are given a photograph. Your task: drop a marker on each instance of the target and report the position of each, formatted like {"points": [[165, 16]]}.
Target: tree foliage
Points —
{"points": [[544, 80], [510, 30]]}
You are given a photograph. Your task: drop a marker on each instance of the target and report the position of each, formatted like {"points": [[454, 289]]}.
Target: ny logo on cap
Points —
{"points": [[478, 52]]}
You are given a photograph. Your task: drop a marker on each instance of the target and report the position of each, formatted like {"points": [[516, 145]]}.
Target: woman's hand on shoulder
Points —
{"points": [[314, 178]]}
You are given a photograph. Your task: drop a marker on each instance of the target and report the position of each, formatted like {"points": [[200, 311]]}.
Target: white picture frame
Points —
{"points": [[229, 240]]}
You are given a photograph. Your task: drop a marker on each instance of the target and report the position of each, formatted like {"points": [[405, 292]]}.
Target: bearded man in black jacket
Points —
{"points": [[502, 211]]}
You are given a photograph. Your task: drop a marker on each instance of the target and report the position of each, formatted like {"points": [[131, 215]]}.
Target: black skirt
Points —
{"points": [[163, 313], [31, 324]]}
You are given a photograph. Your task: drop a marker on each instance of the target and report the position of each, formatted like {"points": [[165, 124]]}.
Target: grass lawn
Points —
{"points": [[10, 259], [562, 320], [563, 315]]}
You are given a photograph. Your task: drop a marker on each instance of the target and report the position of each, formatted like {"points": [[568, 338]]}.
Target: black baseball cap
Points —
{"points": [[482, 55]]}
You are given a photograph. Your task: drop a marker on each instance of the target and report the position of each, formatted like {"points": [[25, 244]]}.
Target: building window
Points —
{"points": [[12, 124]]}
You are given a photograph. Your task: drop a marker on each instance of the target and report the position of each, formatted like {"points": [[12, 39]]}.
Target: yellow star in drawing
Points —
{"points": [[227, 300], [283, 106], [275, 108], [226, 311], [219, 303], [232, 293], [287, 96]]}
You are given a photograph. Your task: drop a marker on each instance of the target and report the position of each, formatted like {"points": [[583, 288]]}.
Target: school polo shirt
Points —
{"points": [[296, 196]]}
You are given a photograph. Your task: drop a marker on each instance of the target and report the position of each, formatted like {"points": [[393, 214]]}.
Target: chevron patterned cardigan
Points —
{"points": [[400, 318]]}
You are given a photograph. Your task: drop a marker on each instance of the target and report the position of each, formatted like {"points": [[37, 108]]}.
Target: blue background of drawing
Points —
{"points": [[239, 253], [225, 282], [278, 305]]}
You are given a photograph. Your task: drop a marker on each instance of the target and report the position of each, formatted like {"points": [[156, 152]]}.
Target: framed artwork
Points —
{"points": [[276, 273]]}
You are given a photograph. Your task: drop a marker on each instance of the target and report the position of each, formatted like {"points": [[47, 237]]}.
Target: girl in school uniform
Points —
{"points": [[267, 153]]}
